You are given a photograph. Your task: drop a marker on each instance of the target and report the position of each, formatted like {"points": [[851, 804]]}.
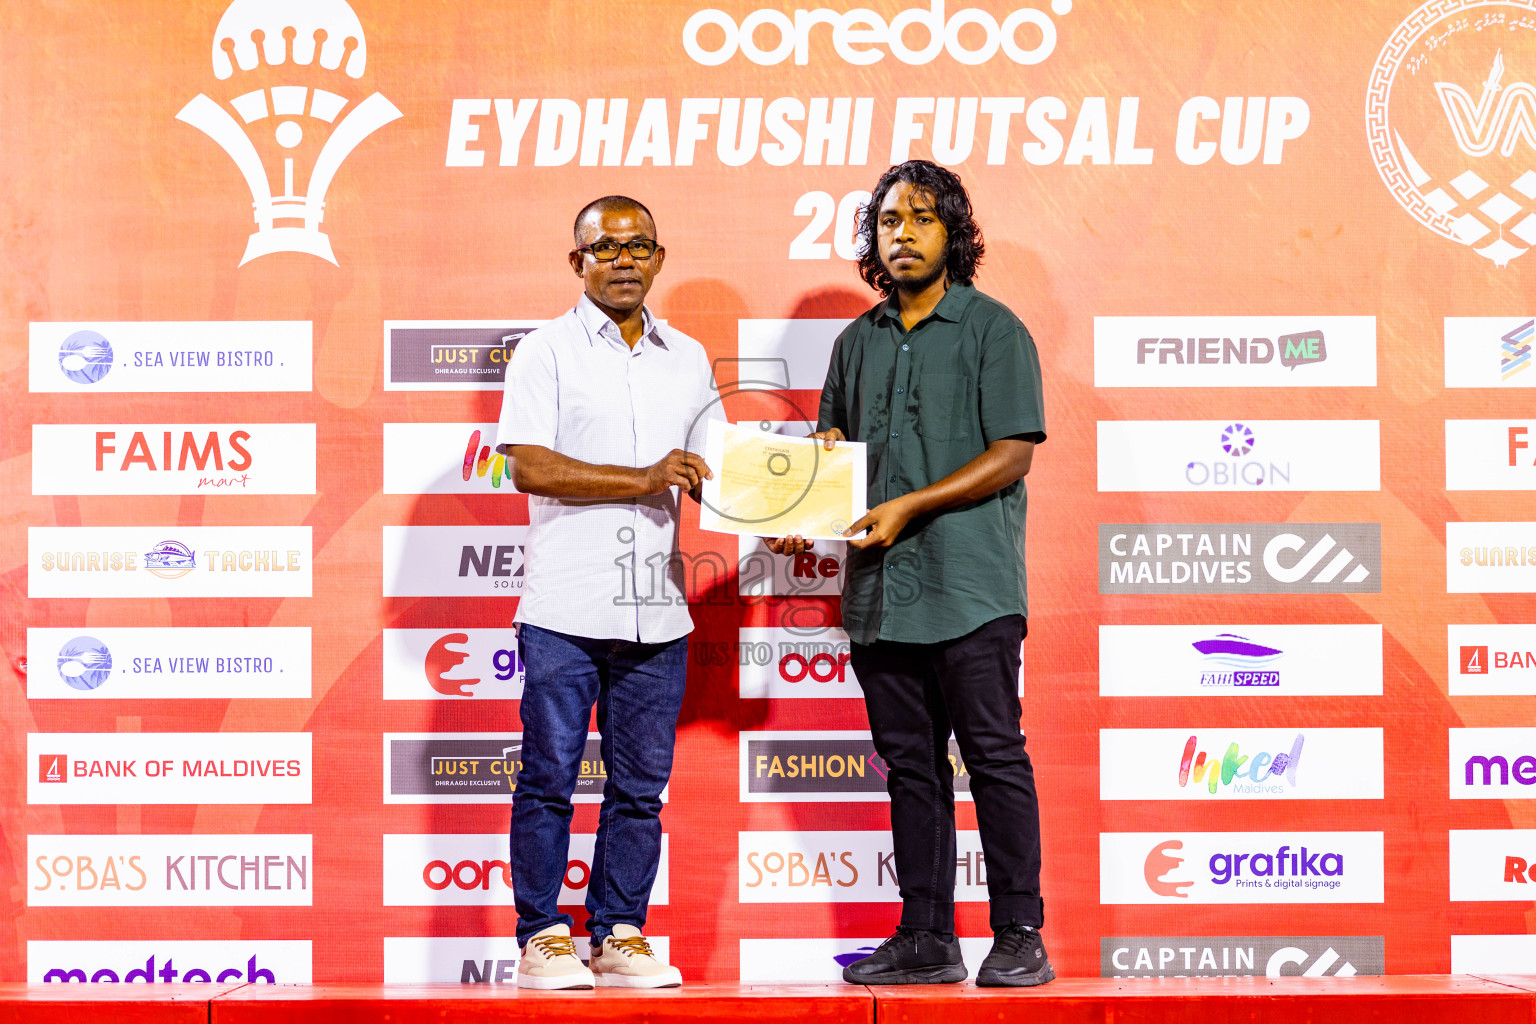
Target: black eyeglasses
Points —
{"points": [[607, 252]]}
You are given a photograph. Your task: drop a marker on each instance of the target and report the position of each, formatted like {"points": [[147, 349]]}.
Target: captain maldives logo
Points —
{"points": [[259, 35]]}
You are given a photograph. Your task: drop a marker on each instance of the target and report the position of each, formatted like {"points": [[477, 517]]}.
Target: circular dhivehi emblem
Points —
{"points": [[1450, 117]]}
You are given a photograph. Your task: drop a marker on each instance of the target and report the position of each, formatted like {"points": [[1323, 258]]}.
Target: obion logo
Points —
{"points": [[860, 36], [253, 37]]}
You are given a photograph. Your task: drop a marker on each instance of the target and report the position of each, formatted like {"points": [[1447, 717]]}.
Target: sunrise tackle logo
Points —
{"points": [[275, 45], [1452, 123]]}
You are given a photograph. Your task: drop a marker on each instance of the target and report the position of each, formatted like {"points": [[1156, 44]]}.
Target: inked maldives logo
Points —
{"points": [[1258, 774], [480, 461]]}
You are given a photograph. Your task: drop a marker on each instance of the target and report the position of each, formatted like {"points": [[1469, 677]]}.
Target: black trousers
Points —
{"points": [[915, 694]]}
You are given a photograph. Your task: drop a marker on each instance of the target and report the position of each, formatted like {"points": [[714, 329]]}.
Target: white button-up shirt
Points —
{"points": [[606, 568]]}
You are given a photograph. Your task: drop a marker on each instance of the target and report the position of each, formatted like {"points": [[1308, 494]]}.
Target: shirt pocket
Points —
{"points": [[943, 403]]}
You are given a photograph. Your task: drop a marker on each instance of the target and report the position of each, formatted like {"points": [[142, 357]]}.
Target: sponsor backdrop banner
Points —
{"points": [[259, 558]]}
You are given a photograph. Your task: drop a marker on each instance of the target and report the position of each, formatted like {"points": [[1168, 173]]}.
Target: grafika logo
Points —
{"points": [[1451, 122], [1249, 775], [276, 45]]}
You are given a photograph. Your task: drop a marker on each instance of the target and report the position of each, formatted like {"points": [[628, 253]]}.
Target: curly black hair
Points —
{"points": [[964, 249]]}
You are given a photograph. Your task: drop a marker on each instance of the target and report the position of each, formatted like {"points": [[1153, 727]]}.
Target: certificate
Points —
{"points": [[769, 485]]}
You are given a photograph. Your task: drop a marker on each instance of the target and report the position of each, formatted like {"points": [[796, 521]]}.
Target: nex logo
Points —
{"points": [[1159, 863]]}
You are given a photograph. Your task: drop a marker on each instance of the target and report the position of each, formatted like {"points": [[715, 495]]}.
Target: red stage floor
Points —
{"points": [[1409, 999]]}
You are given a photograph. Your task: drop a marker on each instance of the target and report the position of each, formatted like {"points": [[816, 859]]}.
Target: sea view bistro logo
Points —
{"points": [[1495, 660], [472, 870], [1490, 455], [1489, 352], [1253, 764], [775, 662], [169, 768], [841, 867], [169, 871], [190, 561], [1493, 764], [450, 664], [282, 41], [451, 355], [1240, 867], [249, 961], [1239, 558], [1251, 455], [1490, 558], [1223, 956], [455, 561], [170, 357], [444, 458], [478, 960], [204, 458], [1493, 865], [213, 662], [1246, 660], [823, 767], [1448, 116], [1233, 352], [473, 768]]}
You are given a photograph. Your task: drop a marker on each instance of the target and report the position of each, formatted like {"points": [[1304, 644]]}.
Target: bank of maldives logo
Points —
{"points": [[84, 663], [1452, 123], [254, 36]]}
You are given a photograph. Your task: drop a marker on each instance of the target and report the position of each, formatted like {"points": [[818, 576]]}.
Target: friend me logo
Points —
{"points": [[970, 36]]}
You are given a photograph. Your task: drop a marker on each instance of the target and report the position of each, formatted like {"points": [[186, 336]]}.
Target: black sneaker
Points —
{"points": [[1017, 959], [910, 957]]}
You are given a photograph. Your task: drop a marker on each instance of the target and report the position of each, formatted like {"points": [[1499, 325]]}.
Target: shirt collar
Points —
{"points": [[951, 307], [598, 324]]}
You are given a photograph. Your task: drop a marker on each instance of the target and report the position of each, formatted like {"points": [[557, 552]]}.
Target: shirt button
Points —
{"points": [[895, 434], [905, 347], [900, 390], [893, 479]]}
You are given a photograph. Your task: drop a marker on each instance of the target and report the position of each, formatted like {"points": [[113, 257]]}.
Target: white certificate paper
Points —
{"points": [[769, 485]]}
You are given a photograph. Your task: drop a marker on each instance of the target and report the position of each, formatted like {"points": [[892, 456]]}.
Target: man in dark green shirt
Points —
{"points": [[943, 385]]}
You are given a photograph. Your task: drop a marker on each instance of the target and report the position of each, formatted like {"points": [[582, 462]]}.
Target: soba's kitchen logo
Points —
{"points": [[1451, 122], [253, 37]]}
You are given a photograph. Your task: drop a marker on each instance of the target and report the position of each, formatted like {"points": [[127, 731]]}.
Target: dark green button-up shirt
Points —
{"points": [[926, 402]]}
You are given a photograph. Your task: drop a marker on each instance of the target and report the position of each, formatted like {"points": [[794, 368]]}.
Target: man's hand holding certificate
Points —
{"points": [[769, 485]]}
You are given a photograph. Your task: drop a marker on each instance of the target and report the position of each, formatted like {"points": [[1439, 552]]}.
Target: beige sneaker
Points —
{"points": [[549, 961], [625, 960]]}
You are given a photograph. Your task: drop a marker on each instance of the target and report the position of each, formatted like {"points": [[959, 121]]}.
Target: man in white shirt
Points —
{"points": [[602, 419]]}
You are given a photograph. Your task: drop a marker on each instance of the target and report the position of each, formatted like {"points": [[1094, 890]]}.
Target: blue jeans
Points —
{"points": [[638, 689]]}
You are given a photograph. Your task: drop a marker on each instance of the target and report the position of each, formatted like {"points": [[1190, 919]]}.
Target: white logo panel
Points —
{"points": [[453, 561], [788, 663], [1234, 352], [785, 355], [820, 961], [1489, 352], [463, 870], [1240, 867], [840, 867], [1494, 660], [1493, 764], [214, 662], [170, 871], [452, 664], [487, 960], [1241, 660], [1493, 864], [169, 768], [1490, 455], [202, 458], [444, 458], [1493, 954], [1490, 558], [814, 573], [186, 357], [1240, 764], [253, 961], [168, 561], [1239, 455]]}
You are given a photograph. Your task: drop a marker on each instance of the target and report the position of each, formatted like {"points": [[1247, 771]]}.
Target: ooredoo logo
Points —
{"points": [[84, 663], [258, 35], [1455, 151], [1160, 863], [861, 36]]}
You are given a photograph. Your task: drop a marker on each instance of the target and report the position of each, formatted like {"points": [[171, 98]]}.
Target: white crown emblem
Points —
{"points": [[271, 33]]}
